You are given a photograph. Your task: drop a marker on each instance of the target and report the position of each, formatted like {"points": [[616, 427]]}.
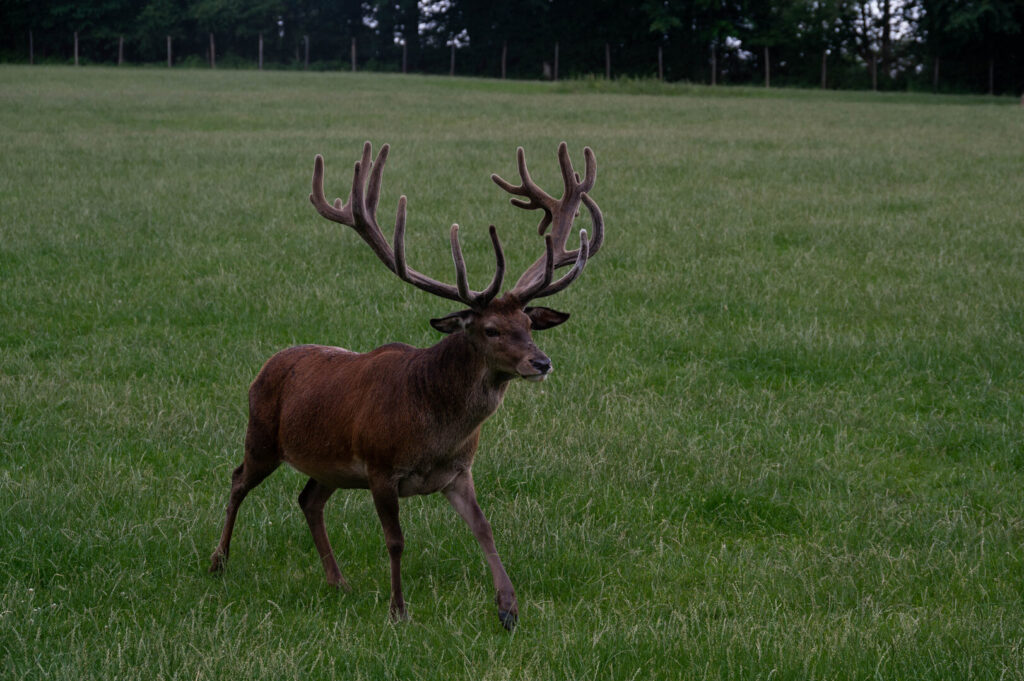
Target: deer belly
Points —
{"points": [[346, 474], [420, 482]]}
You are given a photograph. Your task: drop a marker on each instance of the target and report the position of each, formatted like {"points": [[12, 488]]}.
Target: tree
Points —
{"points": [[763, 28], [986, 25], [822, 30], [236, 23], [157, 20], [978, 43]]}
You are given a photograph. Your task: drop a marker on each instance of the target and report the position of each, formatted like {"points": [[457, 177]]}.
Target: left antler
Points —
{"points": [[536, 282], [360, 213]]}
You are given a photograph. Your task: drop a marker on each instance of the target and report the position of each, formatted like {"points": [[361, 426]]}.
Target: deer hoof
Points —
{"points": [[508, 619], [338, 582], [217, 561]]}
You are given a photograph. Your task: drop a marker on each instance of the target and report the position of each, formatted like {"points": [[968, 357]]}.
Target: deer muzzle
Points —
{"points": [[536, 368]]}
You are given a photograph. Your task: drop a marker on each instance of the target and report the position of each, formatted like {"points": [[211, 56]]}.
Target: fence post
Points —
{"points": [[874, 71], [353, 55], [169, 61], [31, 49], [260, 58], [120, 50], [661, 64], [213, 53], [451, 68], [405, 57], [607, 61], [935, 75], [714, 64], [556, 62], [504, 55], [824, 69], [305, 40], [76, 48], [767, 68]]}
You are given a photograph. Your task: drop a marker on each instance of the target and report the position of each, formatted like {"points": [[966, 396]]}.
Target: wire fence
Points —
{"points": [[712, 65]]}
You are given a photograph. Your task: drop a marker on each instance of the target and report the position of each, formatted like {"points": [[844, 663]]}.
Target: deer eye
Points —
{"points": [[491, 331]]}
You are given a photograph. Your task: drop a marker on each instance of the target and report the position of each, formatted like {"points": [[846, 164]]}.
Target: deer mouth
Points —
{"points": [[536, 369]]}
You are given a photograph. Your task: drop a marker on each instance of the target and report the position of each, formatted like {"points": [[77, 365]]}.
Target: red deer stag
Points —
{"points": [[401, 420]]}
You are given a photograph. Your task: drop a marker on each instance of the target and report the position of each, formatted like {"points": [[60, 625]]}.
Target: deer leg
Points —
{"points": [[462, 496], [243, 479], [312, 499], [385, 500], [261, 459]]}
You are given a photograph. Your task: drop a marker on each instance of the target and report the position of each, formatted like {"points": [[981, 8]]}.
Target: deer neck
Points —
{"points": [[465, 388]]}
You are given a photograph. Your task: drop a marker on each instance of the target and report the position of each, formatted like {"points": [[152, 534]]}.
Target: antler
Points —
{"points": [[360, 213], [535, 282]]}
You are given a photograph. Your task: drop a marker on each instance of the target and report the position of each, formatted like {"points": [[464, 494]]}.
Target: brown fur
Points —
{"points": [[398, 412], [398, 420]]}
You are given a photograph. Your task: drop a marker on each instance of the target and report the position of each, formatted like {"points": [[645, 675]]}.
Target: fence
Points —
{"points": [[711, 64]]}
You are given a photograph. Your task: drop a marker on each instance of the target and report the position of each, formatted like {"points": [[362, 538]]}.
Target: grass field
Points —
{"points": [[784, 438]]}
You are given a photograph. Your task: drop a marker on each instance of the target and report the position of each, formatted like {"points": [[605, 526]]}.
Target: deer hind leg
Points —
{"points": [[312, 499], [260, 460], [385, 500]]}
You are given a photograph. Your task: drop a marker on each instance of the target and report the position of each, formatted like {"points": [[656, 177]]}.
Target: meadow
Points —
{"points": [[784, 438]]}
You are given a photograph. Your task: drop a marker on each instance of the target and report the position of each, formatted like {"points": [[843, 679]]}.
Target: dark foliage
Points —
{"points": [[946, 45]]}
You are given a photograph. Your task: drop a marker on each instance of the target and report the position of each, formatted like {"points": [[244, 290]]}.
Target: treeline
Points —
{"points": [[944, 45]]}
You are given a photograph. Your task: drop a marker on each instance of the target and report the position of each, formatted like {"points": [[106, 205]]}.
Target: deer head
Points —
{"points": [[498, 327]]}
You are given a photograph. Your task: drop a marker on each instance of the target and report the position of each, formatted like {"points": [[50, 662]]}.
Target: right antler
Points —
{"points": [[536, 280], [360, 213]]}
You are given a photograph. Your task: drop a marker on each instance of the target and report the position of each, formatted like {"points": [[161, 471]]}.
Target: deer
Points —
{"points": [[403, 421]]}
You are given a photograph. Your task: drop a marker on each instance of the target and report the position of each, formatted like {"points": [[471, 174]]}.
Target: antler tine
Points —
{"points": [[401, 269], [472, 297], [335, 212], [535, 196], [569, 176], [568, 277], [597, 222], [590, 174], [549, 268], [499, 271], [357, 197], [461, 280], [373, 190], [529, 187]]}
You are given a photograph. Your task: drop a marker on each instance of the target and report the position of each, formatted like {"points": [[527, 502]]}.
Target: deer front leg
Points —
{"points": [[462, 496], [385, 500]]}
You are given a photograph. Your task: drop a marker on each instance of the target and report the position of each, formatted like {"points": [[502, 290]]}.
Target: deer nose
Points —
{"points": [[542, 365]]}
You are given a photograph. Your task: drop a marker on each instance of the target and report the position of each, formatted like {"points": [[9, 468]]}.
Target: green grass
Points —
{"points": [[652, 86], [784, 439]]}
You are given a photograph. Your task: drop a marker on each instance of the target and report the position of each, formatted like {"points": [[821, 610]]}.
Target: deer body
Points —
{"points": [[412, 415], [399, 420]]}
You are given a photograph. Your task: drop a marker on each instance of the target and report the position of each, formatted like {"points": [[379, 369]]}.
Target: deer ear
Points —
{"points": [[456, 321], [545, 317]]}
